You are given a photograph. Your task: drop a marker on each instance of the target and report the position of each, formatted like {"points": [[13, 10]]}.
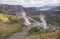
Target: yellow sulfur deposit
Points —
{"points": [[3, 18]]}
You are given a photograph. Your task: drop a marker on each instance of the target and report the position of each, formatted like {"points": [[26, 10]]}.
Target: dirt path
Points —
{"points": [[24, 32]]}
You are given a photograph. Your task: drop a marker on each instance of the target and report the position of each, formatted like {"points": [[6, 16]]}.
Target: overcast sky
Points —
{"points": [[29, 3]]}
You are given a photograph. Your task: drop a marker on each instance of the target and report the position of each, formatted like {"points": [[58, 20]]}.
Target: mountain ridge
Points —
{"points": [[16, 9]]}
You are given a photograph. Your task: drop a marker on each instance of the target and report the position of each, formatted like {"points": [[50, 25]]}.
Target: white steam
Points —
{"points": [[43, 21], [26, 21]]}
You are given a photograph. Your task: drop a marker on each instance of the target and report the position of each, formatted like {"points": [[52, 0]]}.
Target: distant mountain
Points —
{"points": [[48, 6], [16, 9], [55, 8], [38, 10], [10, 9]]}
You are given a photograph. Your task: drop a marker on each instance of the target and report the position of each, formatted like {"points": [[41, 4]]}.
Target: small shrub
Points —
{"points": [[35, 31]]}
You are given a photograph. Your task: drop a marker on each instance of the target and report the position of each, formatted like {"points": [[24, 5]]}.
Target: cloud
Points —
{"points": [[30, 3]]}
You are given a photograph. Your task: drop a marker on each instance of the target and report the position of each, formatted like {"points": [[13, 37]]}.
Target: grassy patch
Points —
{"points": [[13, 24], [53, 35], [35, 31]]}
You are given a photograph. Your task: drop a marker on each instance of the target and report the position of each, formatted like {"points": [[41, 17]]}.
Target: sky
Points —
{"points": [[32, 3]]}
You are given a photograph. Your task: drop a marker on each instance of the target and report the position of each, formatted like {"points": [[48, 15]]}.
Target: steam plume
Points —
{"points": [[26, 21], [43, 21]]}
